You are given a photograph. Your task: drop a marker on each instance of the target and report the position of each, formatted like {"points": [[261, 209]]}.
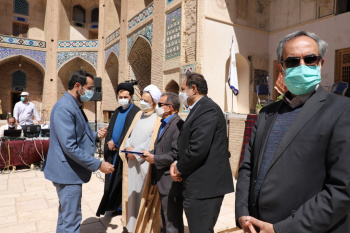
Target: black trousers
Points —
{"points": [[202, 214], [172, 212]]}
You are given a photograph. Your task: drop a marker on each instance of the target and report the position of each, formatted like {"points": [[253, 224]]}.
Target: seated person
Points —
{"points": [[11, 124]]}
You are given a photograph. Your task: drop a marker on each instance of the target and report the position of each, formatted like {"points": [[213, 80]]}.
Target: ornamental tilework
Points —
{"points": [[173, 34], [141, 16], [22, 41], [112, 36], [78, 44], [169, 1], [64, 57], [38, 56], [114, 49], [146, 31]]}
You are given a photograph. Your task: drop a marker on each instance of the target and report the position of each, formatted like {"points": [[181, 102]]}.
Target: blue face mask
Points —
{"points": [[87, 96], [23, 98], [302, 79]]}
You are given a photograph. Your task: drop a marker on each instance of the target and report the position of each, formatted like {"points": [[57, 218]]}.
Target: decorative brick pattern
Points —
{"points": [[173, 34], [22, 41], [146, 31], [38, 56], [78, 44], [64, 57], [112, 36], [144, 14], [113, 49]]}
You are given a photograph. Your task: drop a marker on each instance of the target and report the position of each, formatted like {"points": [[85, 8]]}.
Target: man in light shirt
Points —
{"points": [[11, 124], [24, 111]]}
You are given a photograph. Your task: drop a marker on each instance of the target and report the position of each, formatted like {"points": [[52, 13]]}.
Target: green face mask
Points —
{"points": [[302, 79]]}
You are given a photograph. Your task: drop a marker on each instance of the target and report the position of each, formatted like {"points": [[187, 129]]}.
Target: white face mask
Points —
{"points": [[145, 106], [124, 103], [159, 111], [12, 126], [183, 97]]}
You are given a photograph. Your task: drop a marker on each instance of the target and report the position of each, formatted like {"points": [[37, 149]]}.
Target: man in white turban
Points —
{"points": [[140, 137]]}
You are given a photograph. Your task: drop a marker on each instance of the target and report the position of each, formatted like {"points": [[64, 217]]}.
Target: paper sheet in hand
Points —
{"points": [[131, 152]]}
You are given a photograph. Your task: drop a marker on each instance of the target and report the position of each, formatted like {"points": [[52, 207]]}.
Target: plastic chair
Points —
{"points": [[339, 88], [263, 90]]}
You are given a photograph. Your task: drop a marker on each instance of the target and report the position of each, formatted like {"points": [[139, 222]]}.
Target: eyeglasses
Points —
{"points": [[161, 104], [309, 60], [89, 88]]}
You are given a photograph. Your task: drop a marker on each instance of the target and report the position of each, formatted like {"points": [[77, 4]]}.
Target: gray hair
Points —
{"points": [[322, 45], [173, 100]]}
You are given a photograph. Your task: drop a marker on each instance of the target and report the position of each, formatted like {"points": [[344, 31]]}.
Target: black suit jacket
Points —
{"points": [[165, 151], [307, 185], [203, 152]]}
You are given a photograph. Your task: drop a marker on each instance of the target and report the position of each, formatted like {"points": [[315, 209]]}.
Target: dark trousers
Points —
{"points": [[172, 212], [202, 214], [69, 210]]}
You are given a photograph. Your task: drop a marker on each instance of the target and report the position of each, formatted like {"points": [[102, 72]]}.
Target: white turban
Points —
{"points": [[154, 92]]}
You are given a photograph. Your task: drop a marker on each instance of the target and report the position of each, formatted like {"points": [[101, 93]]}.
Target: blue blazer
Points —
{"points": [[70, 159]]}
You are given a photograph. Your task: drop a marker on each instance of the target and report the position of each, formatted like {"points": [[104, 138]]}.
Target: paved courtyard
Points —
{"points": [[28, 204]]}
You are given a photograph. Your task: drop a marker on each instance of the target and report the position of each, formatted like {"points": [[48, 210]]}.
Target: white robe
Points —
{"points": [[140, 139]]}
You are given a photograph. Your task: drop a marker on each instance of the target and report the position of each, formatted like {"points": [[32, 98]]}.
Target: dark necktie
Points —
{"points": [[82, 112]]}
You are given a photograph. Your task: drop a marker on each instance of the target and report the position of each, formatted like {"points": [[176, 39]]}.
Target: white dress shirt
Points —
{"points": [[24, 113], [6, 127]]}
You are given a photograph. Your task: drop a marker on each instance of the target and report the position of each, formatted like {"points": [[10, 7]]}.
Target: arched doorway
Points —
{"points": [[140, 62], [20, 73], [65, 73], [110, 83]]}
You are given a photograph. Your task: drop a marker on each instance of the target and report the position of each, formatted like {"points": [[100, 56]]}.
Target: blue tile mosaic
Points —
{"points": [[64, 57], [173, 34], [78, 44], [113, 35], [22, 41], [146, 31], [144, 14], [38, 56], [113, 49], [169, 1]]}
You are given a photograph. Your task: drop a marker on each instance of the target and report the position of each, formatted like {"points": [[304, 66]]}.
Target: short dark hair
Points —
{"points": [[173, 100], [11, 117], [78, 76], [199, 81]]}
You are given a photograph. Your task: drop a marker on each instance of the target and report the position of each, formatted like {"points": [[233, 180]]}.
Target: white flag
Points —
{"points": [[232, 76]]}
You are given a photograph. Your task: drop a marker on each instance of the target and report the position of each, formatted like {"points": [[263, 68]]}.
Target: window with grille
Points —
{"points": [[94, 15], [343, 66], [79, 14], [21, 7], [19, 79], [20, 30]]}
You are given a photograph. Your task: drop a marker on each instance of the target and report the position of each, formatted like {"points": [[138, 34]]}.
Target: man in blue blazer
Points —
{"points": [[70, 159]]}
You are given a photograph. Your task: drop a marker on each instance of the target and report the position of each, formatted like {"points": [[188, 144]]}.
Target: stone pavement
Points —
{"points": [[29, 204]]}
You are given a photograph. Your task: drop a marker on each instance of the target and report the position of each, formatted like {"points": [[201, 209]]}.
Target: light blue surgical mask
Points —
{"points": [[87, 96], [23, 98], [302, 79]]}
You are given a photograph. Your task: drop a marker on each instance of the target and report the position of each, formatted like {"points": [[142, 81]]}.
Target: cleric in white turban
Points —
{"points": [[140, 137]]}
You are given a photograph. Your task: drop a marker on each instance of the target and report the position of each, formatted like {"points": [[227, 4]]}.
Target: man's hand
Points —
{"points": [[244, 224], [40, 122], [130, 156], [174, 173], [148, 157], [102, 133], [111, 145], [264, 227], [106, 167]]}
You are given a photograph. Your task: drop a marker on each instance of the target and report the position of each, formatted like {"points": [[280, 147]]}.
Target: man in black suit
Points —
{"points": [[117, 128], [164, 154], [203, 164], [295, 175]]}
